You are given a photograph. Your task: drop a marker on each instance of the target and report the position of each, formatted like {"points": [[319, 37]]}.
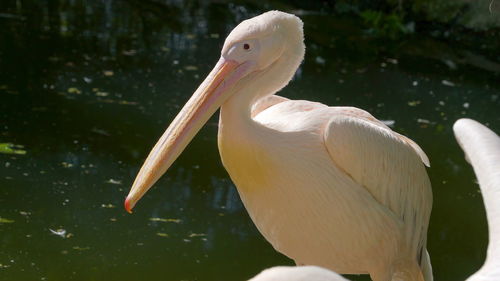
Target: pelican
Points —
{"points": [[482, 150], [326, 186]]}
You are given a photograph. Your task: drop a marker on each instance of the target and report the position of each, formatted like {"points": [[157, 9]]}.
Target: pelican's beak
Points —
{"points": [[209, 96]]}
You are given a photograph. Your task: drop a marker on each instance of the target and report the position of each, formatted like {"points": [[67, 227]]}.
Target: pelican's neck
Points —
{"points": [[482, 147], [238, 107], [260, 84]]}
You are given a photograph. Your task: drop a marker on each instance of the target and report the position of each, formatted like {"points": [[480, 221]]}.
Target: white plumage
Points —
{"points": [[331, 186], [299, 273], [482, 149], [327, 186]]}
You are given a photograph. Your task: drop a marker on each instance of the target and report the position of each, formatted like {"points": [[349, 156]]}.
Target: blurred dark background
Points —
{"points": [[87, 87]]}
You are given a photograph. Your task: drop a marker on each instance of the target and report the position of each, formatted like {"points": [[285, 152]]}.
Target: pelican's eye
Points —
{"points": [[243, 51]]}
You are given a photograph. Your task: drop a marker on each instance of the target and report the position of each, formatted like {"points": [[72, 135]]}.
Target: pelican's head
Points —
{"points": [[267, 45], [263, 40]]}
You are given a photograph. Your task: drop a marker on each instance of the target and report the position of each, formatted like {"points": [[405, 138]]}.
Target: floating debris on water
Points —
{"points": [[393, 61], [197, 235], [118, 101], [24, 213], [165, 220], [112, 181], [108, 73], [66, 164], [415, 83], [161, 234], [61, 233], [108, 206], [10, 148], [78, 248], [320, 60], [4, 220], [414, 103], [451, 64], [423, 121], [448, 83], [127, 102], [101, 132], [389, 123], [101, 94], [190, 68], [466, 105], [214, 35], [74, 90], [129, 52]]}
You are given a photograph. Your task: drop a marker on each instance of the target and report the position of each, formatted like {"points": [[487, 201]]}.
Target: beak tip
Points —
{"points": [[127, 205]]}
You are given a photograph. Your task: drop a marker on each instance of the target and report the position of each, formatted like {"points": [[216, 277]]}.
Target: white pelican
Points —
{"points": [[326, 186], [482, 149]]}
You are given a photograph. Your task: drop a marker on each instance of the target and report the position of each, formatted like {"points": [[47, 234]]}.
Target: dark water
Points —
{"points": [[88, 87]]}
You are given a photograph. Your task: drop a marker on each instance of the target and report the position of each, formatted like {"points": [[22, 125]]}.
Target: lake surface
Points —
{"points": [[87, 89]]}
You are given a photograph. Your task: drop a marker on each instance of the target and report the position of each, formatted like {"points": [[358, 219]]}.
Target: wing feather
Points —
{"points": [[388, 166]]}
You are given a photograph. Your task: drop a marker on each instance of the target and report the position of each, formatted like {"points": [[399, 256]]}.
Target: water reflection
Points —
{"points": [[87, 88]]}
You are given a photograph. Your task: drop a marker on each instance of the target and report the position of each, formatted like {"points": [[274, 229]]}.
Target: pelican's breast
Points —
{"points": [[289, 184], [254, 151]]}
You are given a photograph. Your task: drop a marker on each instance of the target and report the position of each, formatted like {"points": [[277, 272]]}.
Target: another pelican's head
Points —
{"points": [[268, 48]]}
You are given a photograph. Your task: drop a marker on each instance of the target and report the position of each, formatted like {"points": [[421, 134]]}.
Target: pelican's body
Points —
{"points": [[327, 186], [482, 149], [294, 164]]}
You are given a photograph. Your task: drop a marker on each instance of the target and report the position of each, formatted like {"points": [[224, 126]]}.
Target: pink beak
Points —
{"points": [[209, 96]]}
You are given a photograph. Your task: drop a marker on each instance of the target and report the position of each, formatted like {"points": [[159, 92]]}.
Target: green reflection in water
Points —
{"points": [[87, 88]]}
